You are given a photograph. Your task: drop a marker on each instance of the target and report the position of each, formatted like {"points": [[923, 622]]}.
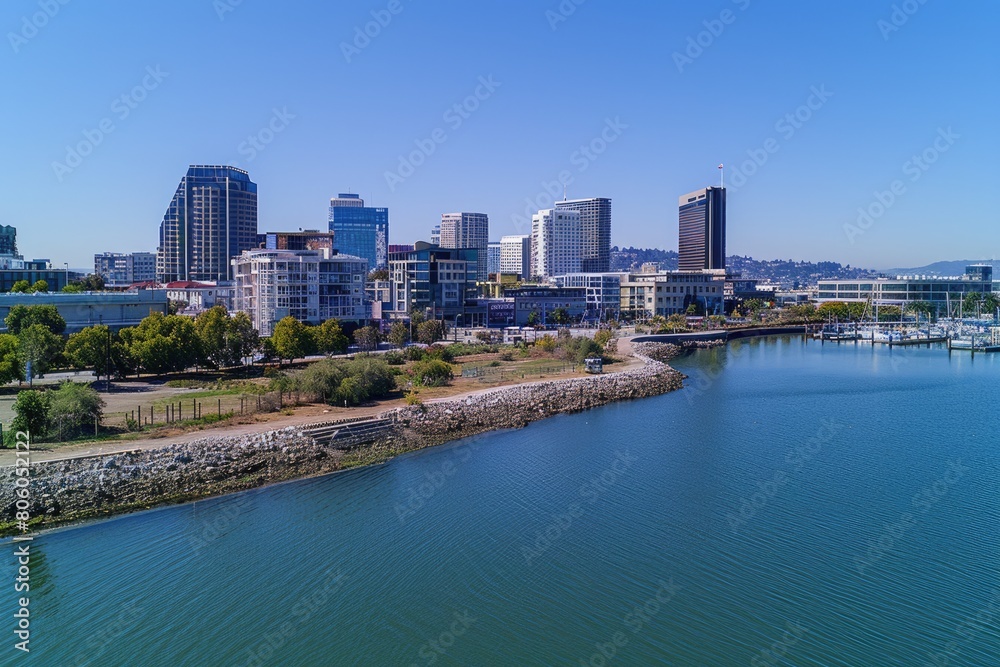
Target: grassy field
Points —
{"points": [[155, 403]]}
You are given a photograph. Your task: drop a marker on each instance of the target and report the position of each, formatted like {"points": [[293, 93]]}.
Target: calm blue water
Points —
{"points": [[834, 505]]}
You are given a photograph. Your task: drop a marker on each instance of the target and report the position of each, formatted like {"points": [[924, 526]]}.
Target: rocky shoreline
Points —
{"points": [[64, 491]]}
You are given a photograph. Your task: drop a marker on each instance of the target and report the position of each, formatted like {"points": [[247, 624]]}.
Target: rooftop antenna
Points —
{"points": [[722, 176], [564, 192]]}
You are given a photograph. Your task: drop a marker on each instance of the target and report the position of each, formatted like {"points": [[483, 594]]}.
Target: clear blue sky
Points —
{"points": [[892, 91]]}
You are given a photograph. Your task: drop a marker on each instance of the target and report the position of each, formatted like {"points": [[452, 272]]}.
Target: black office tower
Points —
{"points": [[702, 238]]}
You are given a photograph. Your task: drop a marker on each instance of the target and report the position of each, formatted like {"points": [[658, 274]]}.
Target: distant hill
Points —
{"points": [[785, 272], [953, 268]]}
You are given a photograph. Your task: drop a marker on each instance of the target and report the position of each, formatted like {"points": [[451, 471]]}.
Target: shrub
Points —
{"points": [[441, 353], [506, 356], [547, 343], [394, 358], [432, 373], [415, 353], [73, 407], [32, 414], [323, 379]]}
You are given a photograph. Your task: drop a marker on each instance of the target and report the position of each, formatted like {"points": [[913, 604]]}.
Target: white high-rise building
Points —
{"points": [[596, 218], [468, 230], [556, 242], [310, 285], [515, 255]]}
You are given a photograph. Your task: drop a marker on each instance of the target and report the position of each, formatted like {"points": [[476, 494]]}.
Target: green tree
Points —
{"points": [[22, 317], [292, 339], [676, 321], [430, 332], [399, 334], [559, 316], [11, 366], [217, 337], [920, 308], [92, 283], [243, 337], [163, 344], [323, 379], [417, 316], [21, 287], [534, 318], [889, 313], [378, 274], [72, 288], [74, 406], [330, 338], [40, 347], [90, 349], [603, 336], [367, 338], [432, 373], [31, 410], [40, 286], [374, 376], [976, 303]]}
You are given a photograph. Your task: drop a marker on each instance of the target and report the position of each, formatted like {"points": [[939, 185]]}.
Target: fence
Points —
{"points": [[165, 412], [488, 374]]}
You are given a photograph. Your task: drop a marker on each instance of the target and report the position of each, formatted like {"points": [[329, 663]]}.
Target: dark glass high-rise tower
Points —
{"points": [[595, 216], [8, 241], [360, 230], [702, 238], [211, 219]]}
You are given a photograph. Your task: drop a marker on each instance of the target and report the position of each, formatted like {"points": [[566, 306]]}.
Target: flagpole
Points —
{"points": [[722, 176]]}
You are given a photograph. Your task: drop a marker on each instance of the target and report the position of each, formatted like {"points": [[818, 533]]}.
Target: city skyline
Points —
{"points": [[864, 152]]}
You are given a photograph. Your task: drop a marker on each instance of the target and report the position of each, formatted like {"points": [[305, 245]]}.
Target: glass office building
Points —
{"points": [[438, 282], [595, 219], [702, 237], [359, 230], [211, 219]]}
